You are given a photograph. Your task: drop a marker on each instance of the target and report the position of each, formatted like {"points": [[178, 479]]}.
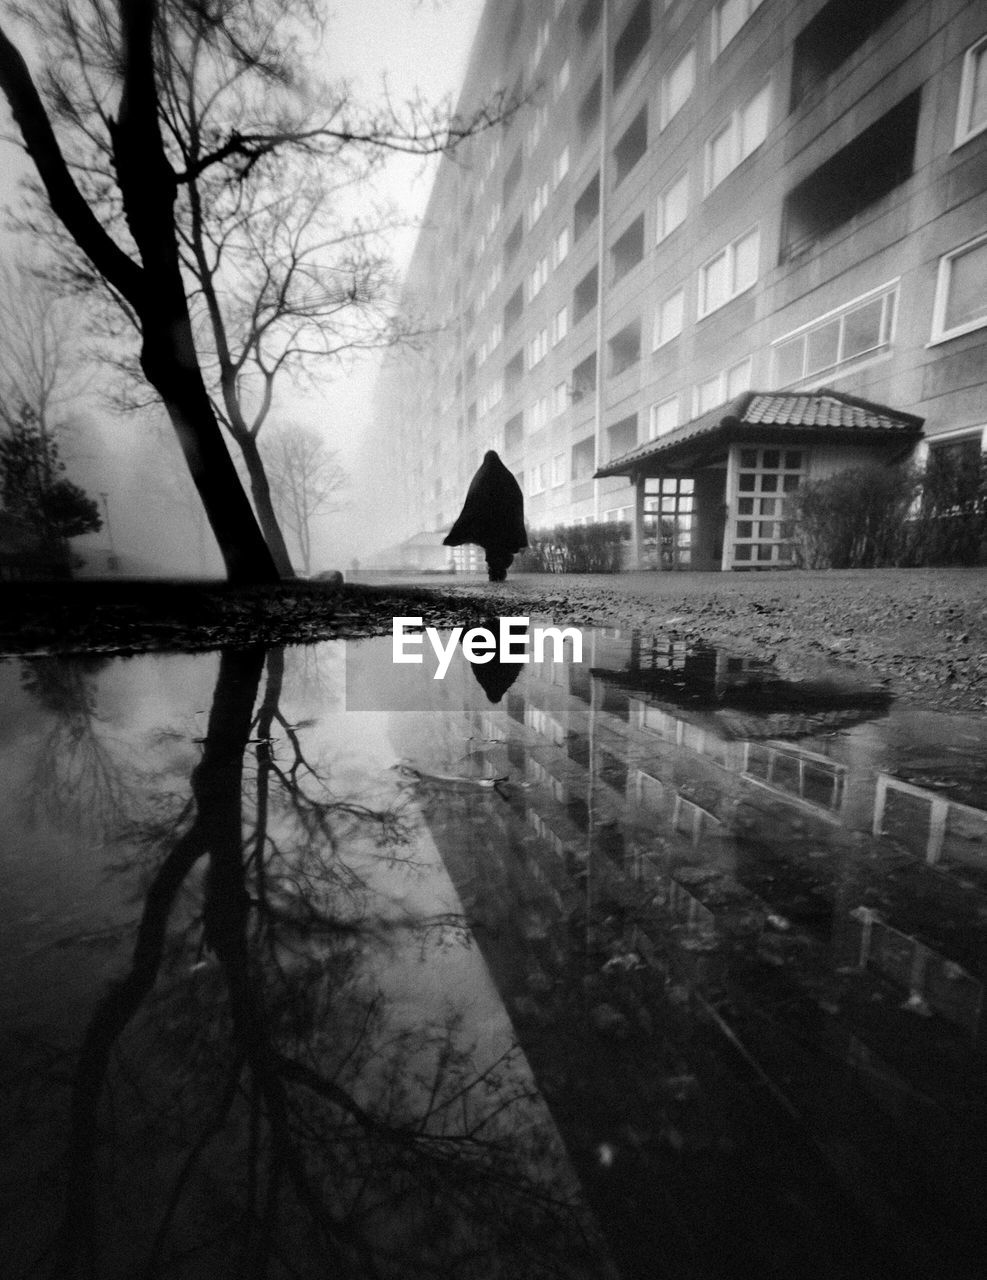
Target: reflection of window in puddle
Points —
{"points": [[649, 793], [704, 743], [612, 771], [690, 820], [542, 828], [929, 825], [543, 724], [688, 910], [798, 775], [933, 983], [540, 776]]}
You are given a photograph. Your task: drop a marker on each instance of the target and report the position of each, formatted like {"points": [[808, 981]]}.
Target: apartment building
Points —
{"points": [[725, 245]]}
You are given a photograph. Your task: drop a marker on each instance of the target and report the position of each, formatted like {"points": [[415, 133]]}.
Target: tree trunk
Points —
{"points": [[245, 552], [261, 490]]}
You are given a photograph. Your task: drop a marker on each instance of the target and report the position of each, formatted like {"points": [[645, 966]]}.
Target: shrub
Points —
{"points": [[575, 548], [951, 522], [855, 519]]}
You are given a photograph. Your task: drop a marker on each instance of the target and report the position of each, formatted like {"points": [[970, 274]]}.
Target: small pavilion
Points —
{"points": [[711, 494]]}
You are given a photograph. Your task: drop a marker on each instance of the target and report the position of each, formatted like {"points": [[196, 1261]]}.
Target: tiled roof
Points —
{"points": [[820, 415]]}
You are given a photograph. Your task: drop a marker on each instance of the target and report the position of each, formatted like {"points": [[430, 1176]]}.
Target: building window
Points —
{"points": [[971, 118], [589, 109], [540, 45], [728, 17], [860, 328], [587, 207], [729, 273], [961, 291], [709, 394], [863, 172], [514, 371], [560, 325], [560, 399], [631, 146], [560, 247], [838, 29], [512, 241], [625, 348], [584, 296], [663, 416], [514, 432], [538, 278], [740, 135], [723, 386], [669, 315], [628, 250], [514, 25], [589, 17], [622, 437], [739, 378], [538, 479], [512, 176], [538, 414], [584, 459], [560, 167], [677, 84], [558, 470], [672, 207], [537, 348], [583, 378], [561, 82], [536, 128], [513, 308], [631, 42], [491, 396], [538, 204]]}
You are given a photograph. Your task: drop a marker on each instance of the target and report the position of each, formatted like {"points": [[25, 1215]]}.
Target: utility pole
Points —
{"points": [[601, 268]]}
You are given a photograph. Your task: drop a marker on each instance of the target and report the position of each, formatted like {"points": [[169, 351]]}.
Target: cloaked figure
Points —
{"points": [[492, 517]]}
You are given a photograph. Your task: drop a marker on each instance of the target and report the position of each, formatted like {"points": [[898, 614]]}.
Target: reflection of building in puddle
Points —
{"points": [[932, 826], [642, 839], [802, 775], [932, 983]]}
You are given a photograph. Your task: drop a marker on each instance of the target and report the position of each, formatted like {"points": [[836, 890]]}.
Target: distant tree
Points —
{"points": [[40, 358], [306, 482], [177, 122], [33, 486]]}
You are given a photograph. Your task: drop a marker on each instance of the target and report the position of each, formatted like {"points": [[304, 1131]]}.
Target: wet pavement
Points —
{"points": [[651, 964]]}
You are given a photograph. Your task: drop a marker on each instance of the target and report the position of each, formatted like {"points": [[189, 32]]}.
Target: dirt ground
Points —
{"points": [[920, 632]]}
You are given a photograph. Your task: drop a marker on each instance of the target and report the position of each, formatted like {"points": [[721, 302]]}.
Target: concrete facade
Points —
{"points": [[782, 197]]}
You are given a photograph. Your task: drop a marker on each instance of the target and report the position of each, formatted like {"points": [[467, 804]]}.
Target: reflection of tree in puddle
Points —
{"points": [[244, 1103], [79, 776]]}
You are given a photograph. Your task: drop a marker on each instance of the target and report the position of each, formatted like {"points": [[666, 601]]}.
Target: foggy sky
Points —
{"points": [[413, 45]]}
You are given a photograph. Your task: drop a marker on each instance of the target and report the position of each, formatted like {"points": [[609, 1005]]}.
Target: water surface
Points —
{"points": [[653, 964]]}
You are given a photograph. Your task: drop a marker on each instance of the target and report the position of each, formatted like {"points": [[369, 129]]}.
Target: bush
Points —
{"points": [[575, 548], [875, 515], [856, 519], [951, 523]]}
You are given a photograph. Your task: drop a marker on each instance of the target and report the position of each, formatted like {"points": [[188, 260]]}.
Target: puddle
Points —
{"points": [[655, 964]]}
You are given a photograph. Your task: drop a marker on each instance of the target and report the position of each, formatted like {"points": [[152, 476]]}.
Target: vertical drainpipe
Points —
{"points": [[601, 243]]}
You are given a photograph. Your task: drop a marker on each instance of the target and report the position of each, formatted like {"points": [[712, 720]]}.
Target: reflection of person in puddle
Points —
{"points": [[492, 517], [495, 676]]}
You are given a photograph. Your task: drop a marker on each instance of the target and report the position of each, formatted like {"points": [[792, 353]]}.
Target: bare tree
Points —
{"points": [[307, 481], [40, 365], [176, 120]]}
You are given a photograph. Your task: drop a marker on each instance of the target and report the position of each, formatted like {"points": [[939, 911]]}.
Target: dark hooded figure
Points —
{"points": [[492, 516]]}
